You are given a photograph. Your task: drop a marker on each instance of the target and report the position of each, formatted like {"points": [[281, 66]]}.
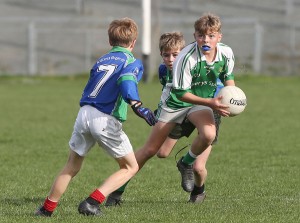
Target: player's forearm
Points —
{"points": [[135, 102], [129, 91], [196, 100], [229, 83]]}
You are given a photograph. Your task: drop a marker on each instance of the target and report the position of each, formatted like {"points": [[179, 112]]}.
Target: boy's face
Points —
{"points": [[169, 56], [208, 41]]}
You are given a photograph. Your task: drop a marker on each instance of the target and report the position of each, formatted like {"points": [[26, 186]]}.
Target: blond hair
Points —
{"points": [[208, 23], [171, 40], [122, 32]]}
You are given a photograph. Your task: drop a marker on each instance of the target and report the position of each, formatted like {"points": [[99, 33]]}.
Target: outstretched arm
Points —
{"points": [[129, 91]]}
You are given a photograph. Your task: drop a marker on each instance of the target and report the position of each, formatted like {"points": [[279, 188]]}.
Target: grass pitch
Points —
{"points": [[253, 171]]}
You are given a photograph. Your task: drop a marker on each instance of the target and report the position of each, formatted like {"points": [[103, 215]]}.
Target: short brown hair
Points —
{"points": [[122, 32], [208, 23], [171, 40]]}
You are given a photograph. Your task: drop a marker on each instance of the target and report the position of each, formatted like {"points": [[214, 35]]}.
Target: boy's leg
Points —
{"points": [[60, 184], [128, 168], [200, 172], [166, 148], [157, 136], [184, 129], [198, 194], [204, 122], [200, 167], [109, 135]]}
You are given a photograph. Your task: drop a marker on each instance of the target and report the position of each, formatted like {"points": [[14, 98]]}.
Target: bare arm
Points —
{"points": [[213, 103], [229, 83]]}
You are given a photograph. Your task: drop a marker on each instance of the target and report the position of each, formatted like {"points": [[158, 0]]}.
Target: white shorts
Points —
{"points": [[166, 114], [93, 126]]}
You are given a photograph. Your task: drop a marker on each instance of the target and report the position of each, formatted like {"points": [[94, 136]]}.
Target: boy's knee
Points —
{"points": [[135, 169], [162, 155], [209, 136]]}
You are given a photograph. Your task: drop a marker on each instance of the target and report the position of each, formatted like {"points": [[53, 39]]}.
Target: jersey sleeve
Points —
{"points": [[182, 78], [128, 81], [128, 88], [227, 73], [139, 70]]}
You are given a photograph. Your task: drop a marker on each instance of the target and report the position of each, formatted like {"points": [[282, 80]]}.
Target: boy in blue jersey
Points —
{"points": [[196, 71], [111, 86]]}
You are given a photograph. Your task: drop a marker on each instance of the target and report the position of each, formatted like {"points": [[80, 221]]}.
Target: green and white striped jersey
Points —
{"points": [[192, 73]]}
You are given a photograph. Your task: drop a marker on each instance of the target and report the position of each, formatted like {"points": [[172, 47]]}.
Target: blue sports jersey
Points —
{"points": [[164, 75], [113, 83]]}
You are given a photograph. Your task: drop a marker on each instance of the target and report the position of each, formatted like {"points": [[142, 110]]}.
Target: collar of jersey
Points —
{"points": [[203, 58], [121, 49]]}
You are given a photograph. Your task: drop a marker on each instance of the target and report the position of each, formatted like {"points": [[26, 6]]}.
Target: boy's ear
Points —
{"points": [[132, 44], [220, 37]]}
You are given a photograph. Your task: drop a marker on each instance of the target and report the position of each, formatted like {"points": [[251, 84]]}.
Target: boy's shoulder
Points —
{"points": [[224, 50], [223, 47], [188, 47], [162, 70], [162, 67]]}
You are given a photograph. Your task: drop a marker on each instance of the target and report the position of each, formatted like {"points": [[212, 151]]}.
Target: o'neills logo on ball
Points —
{"points": [[238, 102]]}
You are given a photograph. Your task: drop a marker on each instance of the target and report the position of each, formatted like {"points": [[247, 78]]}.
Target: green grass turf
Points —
{"points": [[253, 171]]}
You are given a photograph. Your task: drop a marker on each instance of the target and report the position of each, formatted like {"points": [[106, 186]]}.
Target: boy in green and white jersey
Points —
{"points": [[195, 73], [170, 45]]}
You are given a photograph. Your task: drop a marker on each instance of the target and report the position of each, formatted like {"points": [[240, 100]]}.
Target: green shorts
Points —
{"points": [[186, 128]]}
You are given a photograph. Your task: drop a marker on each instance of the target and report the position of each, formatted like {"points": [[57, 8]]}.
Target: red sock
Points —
{"points": [[50, 205], [98, 196]]}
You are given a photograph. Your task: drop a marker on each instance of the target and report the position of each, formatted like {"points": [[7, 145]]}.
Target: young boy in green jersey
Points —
{"points": [[195, 73], [170, 45]]}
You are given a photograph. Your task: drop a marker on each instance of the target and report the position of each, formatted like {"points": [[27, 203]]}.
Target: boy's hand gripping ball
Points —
{"points": [[235, 98]]}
